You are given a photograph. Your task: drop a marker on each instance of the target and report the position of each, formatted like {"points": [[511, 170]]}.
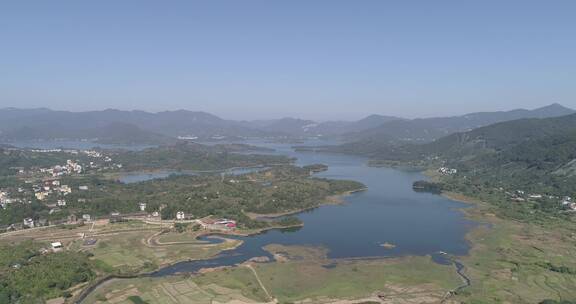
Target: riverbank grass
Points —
{"points": [[319, 280], [304, 275], [515, 262], [146, 251], [126, 247], [237, 285]]}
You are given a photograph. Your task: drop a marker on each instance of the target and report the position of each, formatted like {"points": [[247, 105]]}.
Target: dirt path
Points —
{"points": [[167, 292], [261, 284], [153, 241], [150, 242]]}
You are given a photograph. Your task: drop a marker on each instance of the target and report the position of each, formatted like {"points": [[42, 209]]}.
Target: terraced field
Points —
{"points": [[304, 275], [507, 260], [126, 247], [237, 286]]}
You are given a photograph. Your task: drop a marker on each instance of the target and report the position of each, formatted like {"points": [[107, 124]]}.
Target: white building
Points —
{"points": [[180, 215], [65, 189], [447, 171], [28, 222], [142, 206], [569, 205], [56, 246], [40, 196]]}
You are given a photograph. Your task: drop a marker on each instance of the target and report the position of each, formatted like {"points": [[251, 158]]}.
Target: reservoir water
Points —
{"points": [[389, 211]]}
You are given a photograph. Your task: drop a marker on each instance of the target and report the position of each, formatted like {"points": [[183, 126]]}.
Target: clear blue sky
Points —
{"points": [[313, 59]]}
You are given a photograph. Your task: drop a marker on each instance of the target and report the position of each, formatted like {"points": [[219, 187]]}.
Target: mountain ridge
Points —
{"points": [[43, 123], [429, 129]]}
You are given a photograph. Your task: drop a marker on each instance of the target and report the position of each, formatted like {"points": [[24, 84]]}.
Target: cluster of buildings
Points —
{"points": [[6, 199], [447, 171], [50, 191], [42, 191], [566, 202], [53, 195], [220, 224], [55, 151], [61, 170], [521, 196], [208, 223], [29, 223], [517, 196], [73, 166], [96, 154], [89, 153], [105, 158], [73, 219]]}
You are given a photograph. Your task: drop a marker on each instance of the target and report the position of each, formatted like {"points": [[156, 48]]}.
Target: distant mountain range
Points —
{"points": [[115, 126], [543, 145], [300, 127], [532, 154], [151, 127], [511, 141], [428, 129], [537, 155]]}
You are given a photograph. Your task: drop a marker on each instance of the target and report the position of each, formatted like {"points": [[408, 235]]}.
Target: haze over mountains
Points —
{"points": [[428, 129], [115, 126], [530, 154], [528, 133]]}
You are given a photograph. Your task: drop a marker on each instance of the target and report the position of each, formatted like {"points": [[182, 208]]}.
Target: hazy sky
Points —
{"points": [[312, 59]]}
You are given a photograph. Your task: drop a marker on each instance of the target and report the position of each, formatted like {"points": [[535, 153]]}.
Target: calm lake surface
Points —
{"points": [[389, 211]]}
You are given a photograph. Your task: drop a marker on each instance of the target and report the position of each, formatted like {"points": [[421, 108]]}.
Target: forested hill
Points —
{"points": [[193, 156], [493, 138], [139, 127], [429, 129], [547, 139], [111, 133], [129, 126], [530, 154], [537, 138]]}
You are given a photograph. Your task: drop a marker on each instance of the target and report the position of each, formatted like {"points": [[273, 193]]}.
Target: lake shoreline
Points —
{"points": [[385, 186], [469, 213], [337, 199], [223, 234], [209, 233], [121, 174]]}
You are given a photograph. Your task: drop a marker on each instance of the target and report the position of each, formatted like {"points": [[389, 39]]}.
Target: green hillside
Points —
{"points": [[531, 162]]}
